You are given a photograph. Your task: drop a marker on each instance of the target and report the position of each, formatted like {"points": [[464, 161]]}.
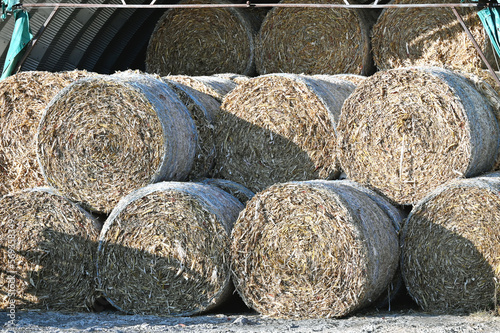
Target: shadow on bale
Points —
{"points": [[445, 273], [257, 158], [63, 284]]}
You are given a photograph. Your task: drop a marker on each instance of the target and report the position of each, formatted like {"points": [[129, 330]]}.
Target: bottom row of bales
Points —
{"points": [[305, 249]]}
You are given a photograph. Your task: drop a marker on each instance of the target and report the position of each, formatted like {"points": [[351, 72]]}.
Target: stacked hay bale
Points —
{"points": [[406, 131], [102, 137], [279, 127], [324, 40], [203, 109], [164, 250], [435, 38], [23, 97], [313, 249], [214, 85], [451, 247], [47, 252], [203, 41]]}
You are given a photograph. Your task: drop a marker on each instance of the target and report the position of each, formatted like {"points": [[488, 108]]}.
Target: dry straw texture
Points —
{"points": [[451, 247], [104, 136], [203, 41], [47, 251], [406, 131], [164, 250], [203, 109], [428, 37], [313, 249], [314, 40], [215, 86], [23, 97], [279, 127]]}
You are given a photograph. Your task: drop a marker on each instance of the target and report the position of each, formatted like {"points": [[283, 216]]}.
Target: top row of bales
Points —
{"points": [[308, 40]]}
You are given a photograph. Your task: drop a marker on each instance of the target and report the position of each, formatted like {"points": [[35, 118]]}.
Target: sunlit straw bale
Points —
{"points": [[313, 249], [406, 131], [164, 249], [279, 127], [102, 137]]}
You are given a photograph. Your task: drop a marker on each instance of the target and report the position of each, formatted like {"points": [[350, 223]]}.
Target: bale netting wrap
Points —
{"points": [[354, 78], [203, 41], [238, 191], [23, 97], [312, 249], [164, 249], [215, 86], [47, 252], [451, 247], [203, 109], [102, 137], [279, 127], [434, 37], [237, 78], [406, 131], [324, 40]]}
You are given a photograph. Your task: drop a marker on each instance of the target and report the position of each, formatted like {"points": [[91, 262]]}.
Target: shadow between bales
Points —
{"points": [[446, 273]]}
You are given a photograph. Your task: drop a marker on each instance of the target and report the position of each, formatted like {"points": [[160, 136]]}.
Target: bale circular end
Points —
{"points": [[47, 252], [279, 127], [324, 40], [450, 247], [164, 250], [313, 249], [435, 38], [104, 136], [202, 41], [425, 126]]}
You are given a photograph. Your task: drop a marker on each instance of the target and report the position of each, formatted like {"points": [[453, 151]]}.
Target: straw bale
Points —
{"points": [[203, 41], [451, 247], [102, 137], [312, 249], [164, 250], [405, 37], [315, 40], [215, 86], [47, 252], [23, 96], [238, 191], [279, 127], [203, 109], [406, 131]]}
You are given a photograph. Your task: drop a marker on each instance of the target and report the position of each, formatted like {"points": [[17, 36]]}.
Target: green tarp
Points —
{"points": [[490, 17], [21, 35]]}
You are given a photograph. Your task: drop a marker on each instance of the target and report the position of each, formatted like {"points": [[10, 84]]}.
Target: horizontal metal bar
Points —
{"points": [[250, 4]]}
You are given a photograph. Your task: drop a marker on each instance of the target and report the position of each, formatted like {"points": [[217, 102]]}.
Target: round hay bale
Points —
{"points": [[203, 41], [102, 137], [450, 247], [164, 250], [47, 252], [203, 109], [215, 86], [312, 249], [434, 38], [406, 131], [23, 97], [238, 191], [324, 40], [279, 127]]}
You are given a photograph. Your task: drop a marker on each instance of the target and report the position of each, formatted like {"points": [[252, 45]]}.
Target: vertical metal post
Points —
{"points": [[35, 39], [481, 54]]}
